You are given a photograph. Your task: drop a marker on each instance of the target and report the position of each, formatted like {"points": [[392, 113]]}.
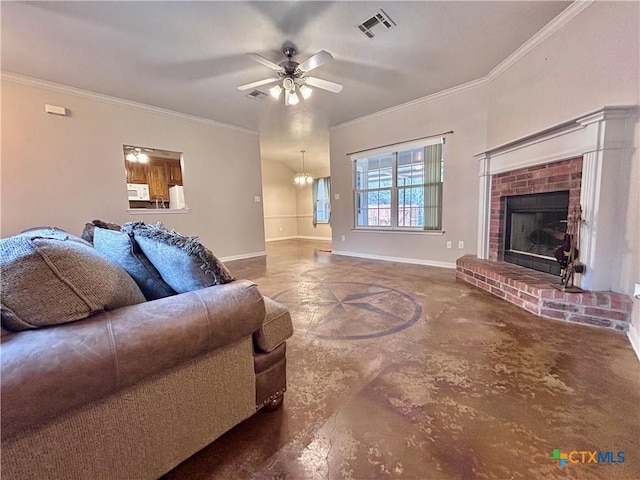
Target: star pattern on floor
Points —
{"points": [[349, 310]]}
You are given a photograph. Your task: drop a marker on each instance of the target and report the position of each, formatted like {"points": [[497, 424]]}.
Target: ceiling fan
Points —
{"points": [[292, 76]]}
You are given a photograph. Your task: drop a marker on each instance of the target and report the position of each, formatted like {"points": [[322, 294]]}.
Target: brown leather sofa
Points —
{"points": [[132, 392]]}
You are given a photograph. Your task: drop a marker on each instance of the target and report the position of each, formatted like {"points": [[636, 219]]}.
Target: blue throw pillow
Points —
{"points": [[87, 233], [184, 263], [122, 249]]}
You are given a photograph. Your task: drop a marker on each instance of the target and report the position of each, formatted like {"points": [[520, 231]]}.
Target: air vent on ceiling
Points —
{"points": [[257, 94], [376, 24]]}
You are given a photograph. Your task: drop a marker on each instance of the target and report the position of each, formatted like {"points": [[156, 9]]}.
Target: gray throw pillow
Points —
{"points": [[184, 263], [49, 278], [122, 249]]}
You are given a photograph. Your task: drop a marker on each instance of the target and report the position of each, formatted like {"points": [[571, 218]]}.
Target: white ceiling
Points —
{"points": [[190, 56]]}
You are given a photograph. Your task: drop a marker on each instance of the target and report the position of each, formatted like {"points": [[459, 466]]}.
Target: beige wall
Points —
{"points": [[288, 208], [589, 63], [280, 201], [65, 171]]}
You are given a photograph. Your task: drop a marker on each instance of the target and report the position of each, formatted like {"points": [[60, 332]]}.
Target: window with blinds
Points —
{"points": [[400, 189]]}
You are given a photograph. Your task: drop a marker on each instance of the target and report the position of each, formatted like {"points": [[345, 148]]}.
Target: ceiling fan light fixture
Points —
{"points": [[292, 77], [276, 91], [305, 91], [291, 97], [136, 155], [288, 83]]}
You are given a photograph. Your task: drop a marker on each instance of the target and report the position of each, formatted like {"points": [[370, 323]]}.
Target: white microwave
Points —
{"points": [[138, 191]]}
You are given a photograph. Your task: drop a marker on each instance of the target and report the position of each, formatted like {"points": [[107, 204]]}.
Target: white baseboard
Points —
{"points": [[416, 261], [277, 239], [634, 338], [307, 237], [297, 237], [243, 256]]}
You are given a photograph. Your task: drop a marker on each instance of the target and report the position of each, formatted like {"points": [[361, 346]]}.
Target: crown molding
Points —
{"points": [[413, 103], [78, 92], [545, 32], [549, 29], [553, 26]]}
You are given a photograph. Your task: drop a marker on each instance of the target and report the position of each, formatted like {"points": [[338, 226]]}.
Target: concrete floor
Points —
{"points": [[400, 371]]}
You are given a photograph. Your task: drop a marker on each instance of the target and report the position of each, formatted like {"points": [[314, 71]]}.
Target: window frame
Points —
{"points": [[327, 202], [396, 188]]}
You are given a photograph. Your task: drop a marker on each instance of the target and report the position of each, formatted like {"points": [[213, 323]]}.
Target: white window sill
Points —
{"points": [[156, 211], [438, 233]]}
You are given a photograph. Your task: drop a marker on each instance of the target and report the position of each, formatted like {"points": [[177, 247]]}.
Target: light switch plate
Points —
{"points": [[336, 196], [256, 199]]}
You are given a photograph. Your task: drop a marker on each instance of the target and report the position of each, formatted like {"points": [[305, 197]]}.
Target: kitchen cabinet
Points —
{"points": [[136, 172], [158, 173], [175, 172], [158, 179]]}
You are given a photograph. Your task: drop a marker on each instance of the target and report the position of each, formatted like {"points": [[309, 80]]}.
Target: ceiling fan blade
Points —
{"points": [[314, 61], [249, 86], [266, 62], [324, 84]]}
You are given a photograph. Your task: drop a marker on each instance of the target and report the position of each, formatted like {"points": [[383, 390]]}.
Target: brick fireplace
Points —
{"points": [[580, 160], [528, 183]]}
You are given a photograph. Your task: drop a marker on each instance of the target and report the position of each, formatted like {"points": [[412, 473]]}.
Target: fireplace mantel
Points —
{"points": [[604, 139]]}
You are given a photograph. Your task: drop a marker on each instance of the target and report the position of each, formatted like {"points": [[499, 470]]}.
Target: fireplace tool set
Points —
{"points": [[567, 253]]}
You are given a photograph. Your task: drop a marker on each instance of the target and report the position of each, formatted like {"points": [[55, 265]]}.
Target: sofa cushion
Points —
{"points": [[184, 263], [121, 248], [89, 228], [276, 327], [49, 278]]}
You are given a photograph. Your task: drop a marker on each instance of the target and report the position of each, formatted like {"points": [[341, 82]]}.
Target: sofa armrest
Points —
{"points": [[49, 371], [275, 328]]}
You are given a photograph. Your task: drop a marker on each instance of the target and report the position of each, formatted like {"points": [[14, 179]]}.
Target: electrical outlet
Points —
{"points": [[344, 238], [336, 196], [256, 199], [461, 245], [449, 244]]}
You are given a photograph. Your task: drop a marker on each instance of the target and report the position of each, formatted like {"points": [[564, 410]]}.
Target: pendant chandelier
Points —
{"points": [[303, 177]]}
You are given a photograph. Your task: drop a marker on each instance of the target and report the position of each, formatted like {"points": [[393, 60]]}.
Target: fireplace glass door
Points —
{"points": [[534, 228]]}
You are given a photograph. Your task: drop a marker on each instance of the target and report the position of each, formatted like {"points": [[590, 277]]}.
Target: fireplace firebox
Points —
{"points": [[534, 228]]}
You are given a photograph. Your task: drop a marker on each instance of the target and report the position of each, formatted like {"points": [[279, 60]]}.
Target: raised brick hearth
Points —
{"points": [[534, 292]]}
